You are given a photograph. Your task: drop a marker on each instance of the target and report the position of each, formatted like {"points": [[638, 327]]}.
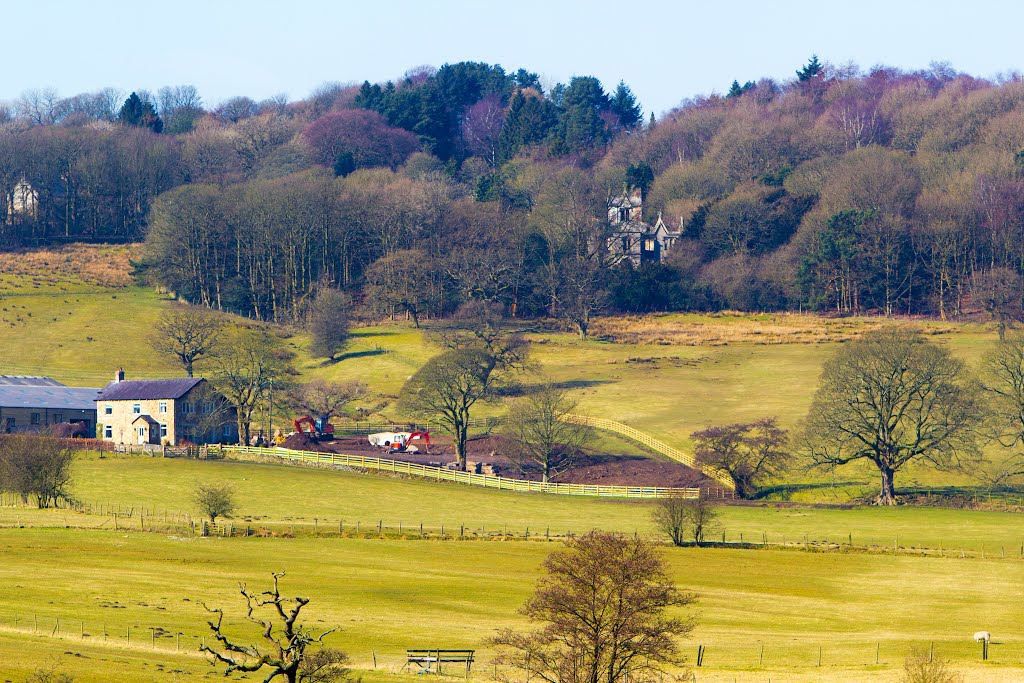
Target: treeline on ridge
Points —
{"points": [[881, 191]]}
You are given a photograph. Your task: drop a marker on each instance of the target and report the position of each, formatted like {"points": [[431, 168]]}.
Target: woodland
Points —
{"points": [[842, 190]]}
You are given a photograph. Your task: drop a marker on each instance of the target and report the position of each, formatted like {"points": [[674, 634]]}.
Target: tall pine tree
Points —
{"points": [[582, 126], [136, 112], [810, 70], [625, 106]]}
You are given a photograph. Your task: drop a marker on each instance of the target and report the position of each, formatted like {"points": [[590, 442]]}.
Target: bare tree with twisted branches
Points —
{"points": [[294, 651]]}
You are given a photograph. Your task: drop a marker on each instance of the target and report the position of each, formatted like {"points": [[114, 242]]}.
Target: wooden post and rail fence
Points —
{"points": [[489, 423], [444, 474]]}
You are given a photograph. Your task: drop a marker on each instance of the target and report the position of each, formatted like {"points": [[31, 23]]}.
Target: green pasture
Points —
{"points": [[276, 494], [390, 595], [79, 333]]}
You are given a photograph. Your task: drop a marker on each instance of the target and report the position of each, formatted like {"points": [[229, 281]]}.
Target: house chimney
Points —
{"points": [[119, 376]]}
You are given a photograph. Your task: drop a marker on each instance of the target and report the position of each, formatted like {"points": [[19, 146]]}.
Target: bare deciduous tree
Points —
{"points": [[215, 500], [920, 667], [36, 466], [247, 366], [747, 452], [325, 399], [447, 388], [50, 673], [891, 398], [328, 322], [998, 292], [546, 436], [601, 610], [295, 652], [187, 333], [402, 281], [1003, 381], [681, 518]]}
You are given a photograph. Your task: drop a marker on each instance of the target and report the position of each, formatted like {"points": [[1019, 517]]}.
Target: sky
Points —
{"points": [[665, 51]]}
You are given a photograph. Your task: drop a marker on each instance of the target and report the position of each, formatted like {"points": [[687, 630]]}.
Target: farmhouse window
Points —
{"points": [[108, 432], [57, 418], [163, 406], [227, 430], [186, 407], [648, 245], [35, 418], [137, 408], [108, 409], [163, 429]]}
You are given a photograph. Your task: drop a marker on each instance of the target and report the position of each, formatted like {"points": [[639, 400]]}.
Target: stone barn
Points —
{"points": [[36, 404]]}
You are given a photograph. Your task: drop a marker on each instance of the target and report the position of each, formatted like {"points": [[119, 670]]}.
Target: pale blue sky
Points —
{"points": [[665, 51]]}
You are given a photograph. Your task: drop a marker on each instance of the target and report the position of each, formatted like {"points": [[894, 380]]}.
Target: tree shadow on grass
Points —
{"points": [[378, 333], [784, 492], [527, 389], [353, 354]]}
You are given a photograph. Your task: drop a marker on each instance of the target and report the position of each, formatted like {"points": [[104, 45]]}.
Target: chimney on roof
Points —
{"points": [[119, 376]]}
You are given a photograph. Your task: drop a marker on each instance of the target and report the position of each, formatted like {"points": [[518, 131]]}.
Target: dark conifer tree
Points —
{"points": [[625, 106], [810, 70]]}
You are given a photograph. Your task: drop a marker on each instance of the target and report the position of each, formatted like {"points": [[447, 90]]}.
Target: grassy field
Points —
{"points": [[287, 493], [667, 375], [390, 595]]}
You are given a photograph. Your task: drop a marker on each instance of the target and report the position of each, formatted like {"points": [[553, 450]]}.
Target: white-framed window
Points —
{"points": [[136, 408], [186, 407], [108, 409], [36, 418], [108, 431], [208, 407], [163, 406], [227, 431], [163, 430]]}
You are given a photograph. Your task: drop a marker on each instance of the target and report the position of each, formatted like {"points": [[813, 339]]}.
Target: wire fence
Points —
{"points": [[709, 661]]}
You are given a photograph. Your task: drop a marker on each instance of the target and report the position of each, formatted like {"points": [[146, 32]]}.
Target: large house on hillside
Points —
{"points": [[171, 412], [630, 238], [36, 404]]}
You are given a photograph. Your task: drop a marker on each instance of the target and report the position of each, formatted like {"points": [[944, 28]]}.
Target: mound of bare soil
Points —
{"points": [[495, 449]]}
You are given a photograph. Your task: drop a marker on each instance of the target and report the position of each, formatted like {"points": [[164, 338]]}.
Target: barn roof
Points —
{"points": [[148, 389], [47, 397], [28, 380]]}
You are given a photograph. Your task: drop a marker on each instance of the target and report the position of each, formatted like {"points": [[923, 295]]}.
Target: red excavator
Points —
{"points": [[318, 430]]}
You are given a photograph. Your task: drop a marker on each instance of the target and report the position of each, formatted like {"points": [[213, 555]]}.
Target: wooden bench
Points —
{"points": [[430, 661]]}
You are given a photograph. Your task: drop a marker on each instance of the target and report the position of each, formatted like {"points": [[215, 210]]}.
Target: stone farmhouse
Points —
{"points": [[35, 404], [169, 412], [630, 238]]}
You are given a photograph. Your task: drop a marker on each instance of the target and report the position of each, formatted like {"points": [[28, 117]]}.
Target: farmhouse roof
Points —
{"points": [[47, 397], [29, 381], [148, 389], [145, 418]]}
